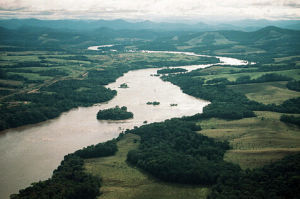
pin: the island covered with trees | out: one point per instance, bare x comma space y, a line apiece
115, 113
171, 70
154, 103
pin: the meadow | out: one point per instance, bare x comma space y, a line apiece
121, 180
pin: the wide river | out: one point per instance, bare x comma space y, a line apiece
29, 154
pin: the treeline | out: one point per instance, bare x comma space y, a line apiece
51, 101
115, 113
171, 70
69, 180
99, 150
246, 79
226, 103
174, 152
290, 119
164, 63
270, 77
278, 180
293, 85
45, 72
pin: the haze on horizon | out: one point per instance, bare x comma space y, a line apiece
155, 10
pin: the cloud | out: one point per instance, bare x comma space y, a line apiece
150, 9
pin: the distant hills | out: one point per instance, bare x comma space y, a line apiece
253, 45
87, 25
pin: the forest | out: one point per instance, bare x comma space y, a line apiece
173, 152
278, 180
171, 70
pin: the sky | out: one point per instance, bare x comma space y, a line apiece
155, 10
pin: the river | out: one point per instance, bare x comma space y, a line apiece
29, 154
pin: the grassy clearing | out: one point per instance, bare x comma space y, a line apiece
256, 158
266, 93
281, 59
121, 181
239, 50
255, 141
32, 76
10, 82
295, 74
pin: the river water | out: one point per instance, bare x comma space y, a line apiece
29, 154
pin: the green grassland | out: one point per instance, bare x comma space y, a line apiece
294, 73
255, 141
122, 181
267, 92
72, 67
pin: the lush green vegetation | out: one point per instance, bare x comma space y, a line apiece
154, 103
32, 107
121, 180
255, 141
44, 73
99, 150
290, 119
39, 81
267, 92
115, 113
293, 85
270, 77
69, 180
171, 70
278, 180
124, 85
172, 151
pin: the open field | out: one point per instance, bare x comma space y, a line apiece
295, 74
282, 59
255, 141
121, 181
73, 65
266, 93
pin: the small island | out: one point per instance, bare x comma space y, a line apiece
171, 70
173, 104
153, 103
124, 85
115, 113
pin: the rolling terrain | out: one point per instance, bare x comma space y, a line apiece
241, 131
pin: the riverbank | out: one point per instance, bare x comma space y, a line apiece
47, 143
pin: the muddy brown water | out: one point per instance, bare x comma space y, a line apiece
30, 153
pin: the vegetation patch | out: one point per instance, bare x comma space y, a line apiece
266, 93
293, 85
265, 135
124, 85
123, 181
69, 180
278, 180
154, 103
115, 113
173, 152
171, 70
290, 119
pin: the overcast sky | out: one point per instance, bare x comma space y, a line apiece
157, 10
